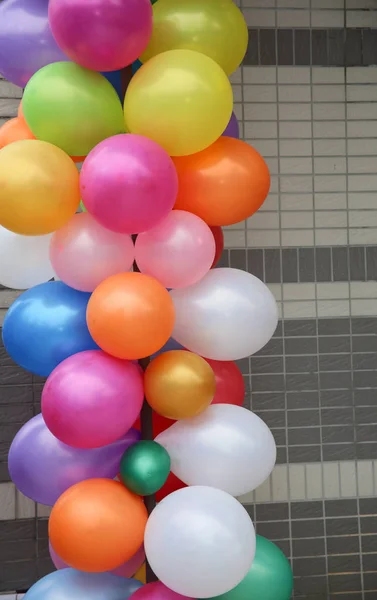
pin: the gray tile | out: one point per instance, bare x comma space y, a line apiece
370, 582
368, 525
301, 345
272, 265
369, 46
281, 456
14, 376
344, 564
268, 401
371, 258
10, 551
244, 365
302, 46
306, 510
365, 379
364, 343
366, 433
334, 362
323, 264
334, 344
343, 545
304, 454
369, 562
305, 381
346, 596
332, 452
333, 381
278, 511
250, 509
305, 547
336, 39
275, 347
365, 397
308, 528
21, 574
224, 259
319, 47
300, 327
341, 508
304, 436
16, 413
366, 414
23, 529
303, 418
302, 400
339, 326
270, 383
340, 263
332, 398
16, 394
353, 49
267, 47
280, 436
285, 47
238, 259
284, 546
333, 434
369, 543
366, 451
357, 263
266, 364
345, 583
368, 506
305, 585
273, 531
290, 265
364, 325
341, 526
272, 418
279, 330
304, 567
337, 416
251, 57
255, 263
301, 364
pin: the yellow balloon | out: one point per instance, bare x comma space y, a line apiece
179, 384
216, 28
39, 187
181, 99
141, 574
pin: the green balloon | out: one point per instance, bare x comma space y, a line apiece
145, 467
270, 576
72, 107
82, 206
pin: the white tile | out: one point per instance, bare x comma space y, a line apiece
333, 308
270, 204
295, 112
295, 75
7, 501
260, 112
329, 147
263, 130
234, 239
296, 148
43, 511
362, 93
263, 239
300, 310
331, 481
360, 4
291, 237
237, 93
259, 17
279, 483
358, 18
259, 75
327, 75
296, 202
364, 200
297, 220
363, 218
259, 93
327, 4
334, 164
276, 290
314, 489
327, 18
298, 291
362, 129
300, 129
348, 483
329, 111
236, 77
294, 93
327, 129
297, 478
293, 18
359, 237
332, 219
364, 308
362, 164
329, 93
296, 183
362, 183
296, 166
264, 493
293, 3
362, 147
361, 111
273, 164
336, 290
266, 148
330, 201
330, 183
364, 473
25, 508
363, 289
263, 220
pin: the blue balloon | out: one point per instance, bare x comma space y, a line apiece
170, 345
46, 325
69, 584
115, 78
136, 66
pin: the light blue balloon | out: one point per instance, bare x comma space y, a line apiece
46, 325
69, 584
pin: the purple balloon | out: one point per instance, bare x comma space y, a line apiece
233, 128
26, 41
42, 467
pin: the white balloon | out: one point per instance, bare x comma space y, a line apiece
226, 447
24, 260
228, 315
200, 542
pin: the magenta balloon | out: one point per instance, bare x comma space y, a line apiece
83, 253
233, 129
178, 252
102, 35
42, 467
128, 183
92, 399
128, 569
157, 591
26, 41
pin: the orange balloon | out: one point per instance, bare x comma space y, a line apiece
224, 184
130, 315
20, 112
97, 525
14, 130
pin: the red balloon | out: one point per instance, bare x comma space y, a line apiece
230, 386
217, 233
171, 485
159, 424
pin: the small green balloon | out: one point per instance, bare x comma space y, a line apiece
82, 206
145, 467
270, 576
72, 107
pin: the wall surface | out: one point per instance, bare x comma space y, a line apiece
306, 98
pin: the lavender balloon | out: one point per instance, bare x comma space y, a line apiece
42, 467
233, 129
26, 41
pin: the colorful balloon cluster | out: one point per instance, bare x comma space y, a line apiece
135, 278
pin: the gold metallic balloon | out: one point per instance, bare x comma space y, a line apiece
179, 384
216, 28
39, 187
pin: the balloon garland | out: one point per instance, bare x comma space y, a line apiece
135, 278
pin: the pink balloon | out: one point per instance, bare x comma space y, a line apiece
128, 569
157, 591
83, 253
101, 35
178, 252
91, 399
128, 183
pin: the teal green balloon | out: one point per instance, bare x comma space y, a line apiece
270, 576
145, 467
72, 107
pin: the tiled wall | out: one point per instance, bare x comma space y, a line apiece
306, 98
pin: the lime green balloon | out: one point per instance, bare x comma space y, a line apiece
72, 107
82, 206
145, 467
270, 576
